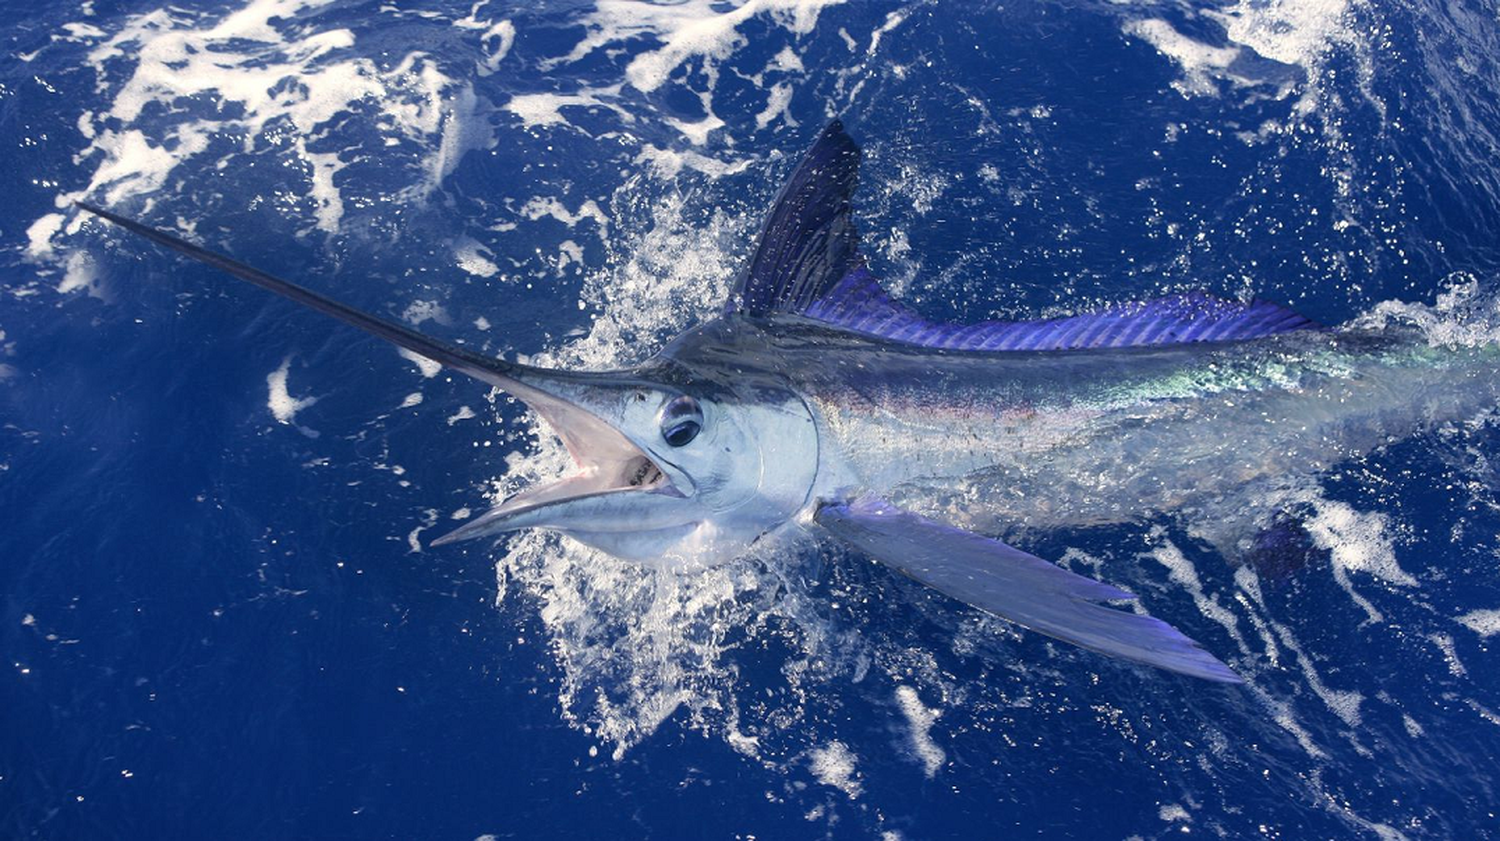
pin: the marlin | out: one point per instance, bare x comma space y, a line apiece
816, 401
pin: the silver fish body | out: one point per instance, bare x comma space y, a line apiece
1041, 440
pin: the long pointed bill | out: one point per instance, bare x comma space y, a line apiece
607, 462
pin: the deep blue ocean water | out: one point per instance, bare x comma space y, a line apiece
218, 613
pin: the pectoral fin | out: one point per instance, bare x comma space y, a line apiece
1017, 586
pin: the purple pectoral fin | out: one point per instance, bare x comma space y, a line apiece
1016, 586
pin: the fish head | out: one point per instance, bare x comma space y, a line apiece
671, 467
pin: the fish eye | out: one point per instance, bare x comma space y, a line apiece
681, 419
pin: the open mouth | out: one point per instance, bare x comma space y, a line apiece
636, 473
605, 462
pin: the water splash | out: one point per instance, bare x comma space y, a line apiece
1268, 45
198, 88
1465, 314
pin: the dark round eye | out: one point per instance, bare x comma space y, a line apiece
681, 434
681, 419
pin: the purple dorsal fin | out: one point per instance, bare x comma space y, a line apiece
807, 263
859, 305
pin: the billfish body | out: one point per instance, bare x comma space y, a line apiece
1091, 437
816, 399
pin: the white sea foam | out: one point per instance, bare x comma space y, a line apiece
82, 31
1413, 728
674, 273
1343, 703
787, 61
697, 131
1292, 33
454, 115
1201, 64
1485, 623
265, 68
1464, 315
284, 407
1286, 719
39, 235
79, 272
834, 765
691, 29
1253, 602
667, 164
474, 258
569, 253
1484, 712
780, 97
1356, 542
7, 371
919, 719
134, 165
545, 109
1173, 813
428, 367
704, 32
892, 20
414, 537
419, 311
497, 39
1184, 574
538, 207
1444, 643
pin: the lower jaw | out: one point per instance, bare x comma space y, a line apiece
664, 547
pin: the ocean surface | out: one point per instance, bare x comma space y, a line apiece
219, 614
